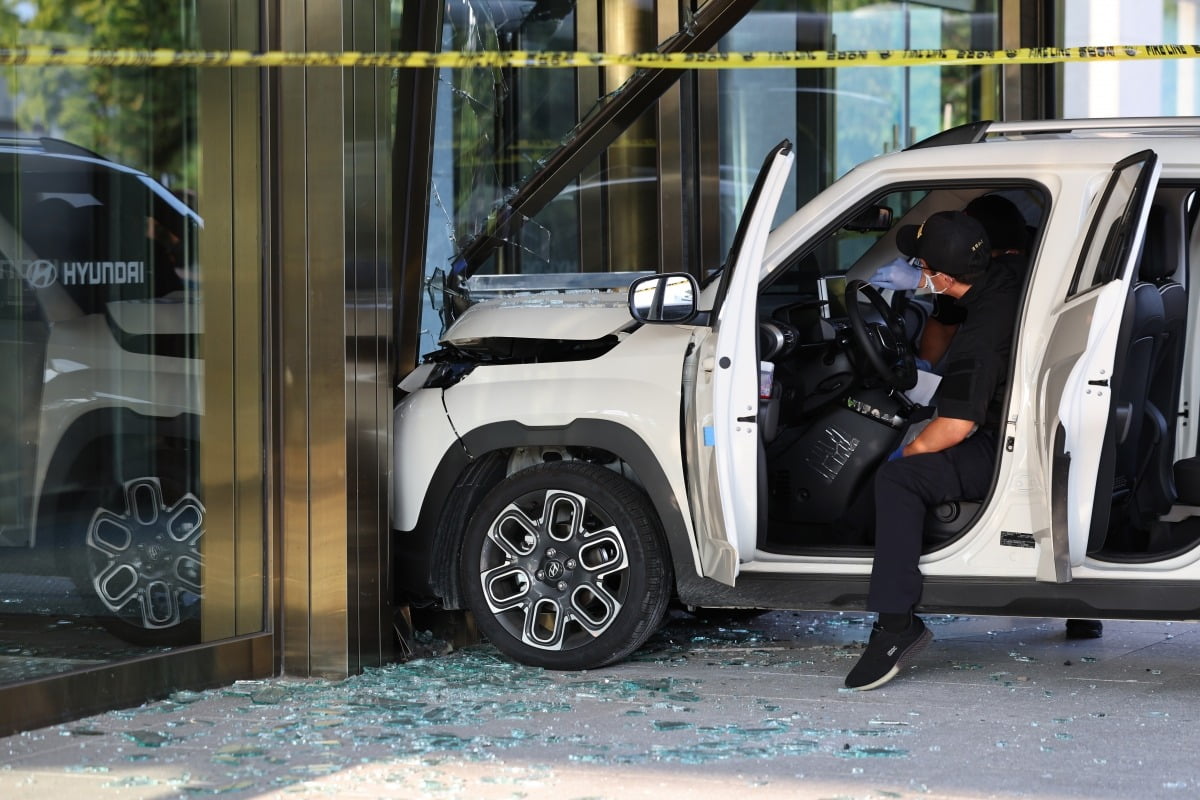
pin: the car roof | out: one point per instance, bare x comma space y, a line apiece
63, 154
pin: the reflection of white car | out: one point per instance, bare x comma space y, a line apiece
568, 465
99, 334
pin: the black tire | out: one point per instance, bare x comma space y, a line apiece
564, 567
134, 550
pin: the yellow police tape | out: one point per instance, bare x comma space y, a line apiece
89, 57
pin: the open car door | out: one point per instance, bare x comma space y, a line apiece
732, 441
1080, 383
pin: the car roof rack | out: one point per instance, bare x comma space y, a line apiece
45, 144
14, 138
981, 131
1130, 126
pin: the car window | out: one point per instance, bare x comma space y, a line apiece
853, 249
1111, 234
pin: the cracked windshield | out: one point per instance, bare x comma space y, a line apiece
102, 514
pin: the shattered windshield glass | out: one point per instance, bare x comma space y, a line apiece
496, 127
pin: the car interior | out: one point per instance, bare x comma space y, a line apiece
1155, 503
831, 413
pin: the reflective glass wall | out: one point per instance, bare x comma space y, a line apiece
838, 118
118, 384
666, 193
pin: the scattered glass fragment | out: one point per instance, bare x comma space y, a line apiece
147, 738
671, 725
873, 752
184, 697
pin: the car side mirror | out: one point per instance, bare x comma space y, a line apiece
876, 218
669, 298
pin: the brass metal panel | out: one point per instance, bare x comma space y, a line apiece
36, 704
672, 256
250, 310
368, 344
217, 441
324, 165
1010, 38
632, 219
331, 195
708, 174
231, 453
292, 400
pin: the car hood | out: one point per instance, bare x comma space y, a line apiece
573, 317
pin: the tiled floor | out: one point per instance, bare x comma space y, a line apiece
994, 708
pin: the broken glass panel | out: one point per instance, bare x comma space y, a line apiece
495, 128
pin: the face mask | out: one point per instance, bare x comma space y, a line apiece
925, 286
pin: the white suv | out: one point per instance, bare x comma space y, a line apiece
569, 464
100, 326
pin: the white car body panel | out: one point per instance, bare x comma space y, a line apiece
419, 425
624, 386
573, 316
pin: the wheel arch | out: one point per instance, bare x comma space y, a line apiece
82, 448
426, 568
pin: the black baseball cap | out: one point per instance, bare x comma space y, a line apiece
951, 242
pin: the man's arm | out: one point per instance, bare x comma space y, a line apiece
935, 340
940, 434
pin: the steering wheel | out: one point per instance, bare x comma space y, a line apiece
885, 345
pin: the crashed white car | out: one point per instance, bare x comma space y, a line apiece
568, 465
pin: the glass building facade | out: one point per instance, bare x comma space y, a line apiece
211, 278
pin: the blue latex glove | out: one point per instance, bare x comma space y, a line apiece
898, 453
923, 365
897, 274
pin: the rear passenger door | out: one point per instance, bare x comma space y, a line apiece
1078, 384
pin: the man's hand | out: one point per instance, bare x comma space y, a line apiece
940, 434
897, 274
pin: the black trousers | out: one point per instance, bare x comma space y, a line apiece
905, 489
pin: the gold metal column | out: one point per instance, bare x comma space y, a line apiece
632, 229
232, 436
333, 400
369, 342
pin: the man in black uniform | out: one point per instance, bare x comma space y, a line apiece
953, 457
1009, 237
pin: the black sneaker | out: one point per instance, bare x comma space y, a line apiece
1084, 629
886, 654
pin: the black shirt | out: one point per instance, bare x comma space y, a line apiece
947, 311
975, 372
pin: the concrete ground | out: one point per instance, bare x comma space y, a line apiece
713, 708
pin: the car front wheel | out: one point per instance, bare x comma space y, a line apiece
564, 567
134, 549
